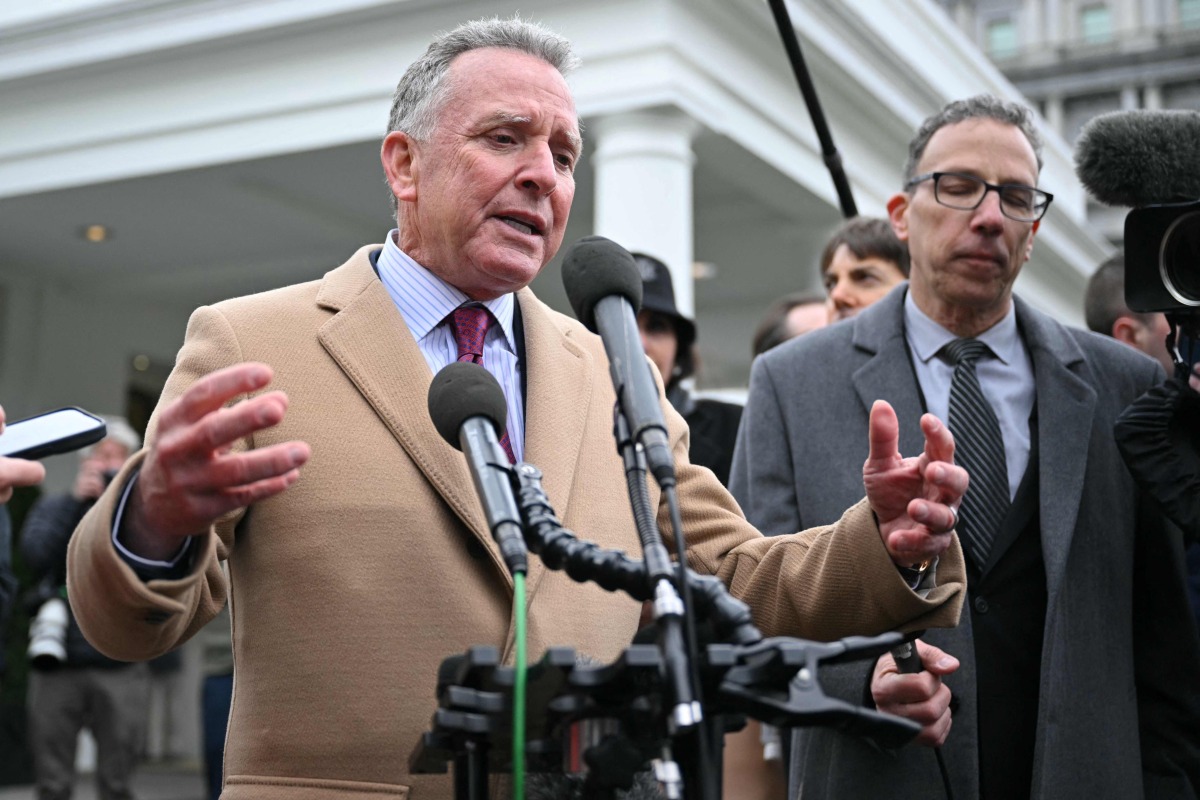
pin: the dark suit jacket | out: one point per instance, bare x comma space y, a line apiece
1114, 648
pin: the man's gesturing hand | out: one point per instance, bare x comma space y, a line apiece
914, 499
190, 476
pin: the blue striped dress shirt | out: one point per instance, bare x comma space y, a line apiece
425, 300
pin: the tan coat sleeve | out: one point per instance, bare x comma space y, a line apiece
821, 584
120, 614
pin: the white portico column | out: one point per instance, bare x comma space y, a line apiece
643, 165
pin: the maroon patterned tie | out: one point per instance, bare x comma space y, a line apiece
470, 326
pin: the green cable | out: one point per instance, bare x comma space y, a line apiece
518, 735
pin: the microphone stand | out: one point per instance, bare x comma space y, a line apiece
772, 680
686, 722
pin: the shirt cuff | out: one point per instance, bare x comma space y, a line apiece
147, 568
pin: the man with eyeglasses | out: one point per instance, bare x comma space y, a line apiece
1074, 673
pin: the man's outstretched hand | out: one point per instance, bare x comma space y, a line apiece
190, 476
915, 499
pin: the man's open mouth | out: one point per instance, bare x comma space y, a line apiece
521, 225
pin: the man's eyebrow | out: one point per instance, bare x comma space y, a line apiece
574, 140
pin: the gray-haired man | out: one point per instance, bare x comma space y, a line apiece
348, 589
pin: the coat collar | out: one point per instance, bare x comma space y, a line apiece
370, 343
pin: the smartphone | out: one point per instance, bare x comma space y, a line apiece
51, 433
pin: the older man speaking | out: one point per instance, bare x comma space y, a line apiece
348, 588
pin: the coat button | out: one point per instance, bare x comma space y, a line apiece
981, 605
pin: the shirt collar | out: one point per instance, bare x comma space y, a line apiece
926, 338
425, 300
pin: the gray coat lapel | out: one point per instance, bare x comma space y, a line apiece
887, 372
1065, 408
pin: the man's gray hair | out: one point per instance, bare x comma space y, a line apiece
423, 87
981, 106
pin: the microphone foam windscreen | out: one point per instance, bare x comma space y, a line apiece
595, 268
460, 391
1139, 158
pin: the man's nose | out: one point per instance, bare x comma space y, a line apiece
538, 172
988, 216
840, 294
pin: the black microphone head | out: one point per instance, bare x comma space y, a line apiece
1140, 158
460, 391
595, 268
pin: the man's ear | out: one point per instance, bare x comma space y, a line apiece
399, 158
897, 208
1126, 329
1029, 244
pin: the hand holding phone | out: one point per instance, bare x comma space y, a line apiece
17, 472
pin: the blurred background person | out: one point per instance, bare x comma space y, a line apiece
669, 338
788, 317
1105, 311
861, 263
13, 472
78, 687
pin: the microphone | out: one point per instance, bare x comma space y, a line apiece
468, 409
1140, 158
605, 290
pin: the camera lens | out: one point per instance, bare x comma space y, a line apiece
1179, 259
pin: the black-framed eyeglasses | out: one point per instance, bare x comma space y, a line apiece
966, 192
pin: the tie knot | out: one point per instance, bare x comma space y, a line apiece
966, 351
469, 324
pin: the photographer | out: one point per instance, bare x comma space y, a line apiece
73, 685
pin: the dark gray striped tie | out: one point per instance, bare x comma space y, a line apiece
979, 449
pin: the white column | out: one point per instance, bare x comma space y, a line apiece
1153, 97
1129, 98
1054, 112
643, 164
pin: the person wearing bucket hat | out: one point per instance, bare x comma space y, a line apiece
669, 338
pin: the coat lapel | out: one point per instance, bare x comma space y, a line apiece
888, 373
1066, 407
559, 393
371, 344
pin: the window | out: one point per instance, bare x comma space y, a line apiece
1189, 13
1095, 24
1001, 41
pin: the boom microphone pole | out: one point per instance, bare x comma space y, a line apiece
829, 151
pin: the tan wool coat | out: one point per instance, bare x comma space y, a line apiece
350, 588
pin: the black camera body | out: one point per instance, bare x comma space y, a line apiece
1162, 258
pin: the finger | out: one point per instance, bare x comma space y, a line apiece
223, 427
935, 735
939, 442
243, 496
215, 390
950, 481
937, 517
914, 545
935, 660
243, 469
2, 419
883, 434
19, 472
912, 691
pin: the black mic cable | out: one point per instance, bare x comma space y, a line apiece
908, 662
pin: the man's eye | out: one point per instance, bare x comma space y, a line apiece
503, 138
566, 161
